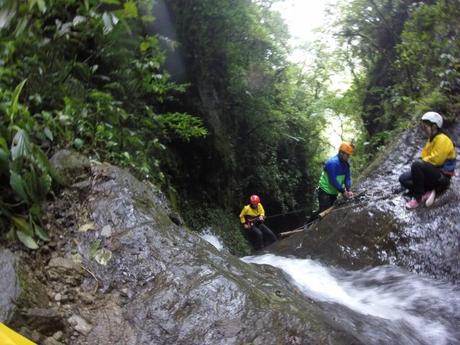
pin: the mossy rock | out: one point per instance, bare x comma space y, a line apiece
69, 166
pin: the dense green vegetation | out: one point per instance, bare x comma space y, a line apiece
407, 53
200, 97
89, 78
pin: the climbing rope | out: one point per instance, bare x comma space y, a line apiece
284, 214
316, 216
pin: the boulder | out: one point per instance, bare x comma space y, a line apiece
69, 166
163, 284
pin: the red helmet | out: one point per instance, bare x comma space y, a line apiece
254, 199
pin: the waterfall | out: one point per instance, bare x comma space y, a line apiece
381, 305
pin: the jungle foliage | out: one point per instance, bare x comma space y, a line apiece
211, 109
91, 75
407, 57
81, 74
256, 105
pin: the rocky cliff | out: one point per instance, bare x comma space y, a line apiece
375, 228
123, 269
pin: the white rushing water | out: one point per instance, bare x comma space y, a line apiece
422, 310
211, 238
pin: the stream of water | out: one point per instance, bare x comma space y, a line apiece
381, 305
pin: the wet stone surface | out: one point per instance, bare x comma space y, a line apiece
121, 267
149, 280
9, 284
376, 228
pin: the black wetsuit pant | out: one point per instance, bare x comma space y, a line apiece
325, 200
423, 177
262, 236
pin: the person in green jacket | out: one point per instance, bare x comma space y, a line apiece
433, 171
335, 178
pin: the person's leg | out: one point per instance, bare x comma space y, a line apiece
405, 179
258, 237
428, 177
325, 200
418, 178
442, 184
250, 236
269, 236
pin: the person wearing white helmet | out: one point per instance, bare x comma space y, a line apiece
433, 171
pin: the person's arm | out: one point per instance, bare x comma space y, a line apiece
348, 193
261, 212
348, 178
332, 172
242, 214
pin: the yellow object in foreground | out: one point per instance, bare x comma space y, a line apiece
10, 337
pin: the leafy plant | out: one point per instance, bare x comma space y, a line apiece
26, 177
95, 82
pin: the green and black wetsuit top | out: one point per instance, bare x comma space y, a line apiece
336, 176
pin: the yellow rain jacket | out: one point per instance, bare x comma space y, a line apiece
10, 337
249, 213
440, 152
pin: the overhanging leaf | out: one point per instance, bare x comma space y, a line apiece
28, 241
40, 159
23, 226
18, 185
3, 144
14, 103
41, 233
130, 10
4, 163
22, 24
20, 145
109, 20
30, 185
44, 184
48, 133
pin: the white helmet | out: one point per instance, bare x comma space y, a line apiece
433, 117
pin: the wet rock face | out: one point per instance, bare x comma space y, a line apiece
146, 280
375, 228
351, 238
23, 298
9, 284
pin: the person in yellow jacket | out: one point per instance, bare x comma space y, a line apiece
10, 337
252, 217
433, 171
